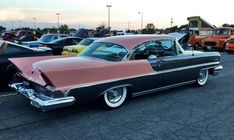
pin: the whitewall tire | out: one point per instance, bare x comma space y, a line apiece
202, 77
115, 97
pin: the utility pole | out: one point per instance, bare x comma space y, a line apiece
19, 23
12, 25
108, 7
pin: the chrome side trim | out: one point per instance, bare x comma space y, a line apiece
154, 73
40, 101
187, 67
161, 88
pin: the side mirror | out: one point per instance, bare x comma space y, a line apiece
152, 57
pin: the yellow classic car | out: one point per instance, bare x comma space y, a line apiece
76, 49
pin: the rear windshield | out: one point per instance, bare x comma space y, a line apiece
46, 38
106, 51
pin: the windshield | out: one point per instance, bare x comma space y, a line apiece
106, 51
221, 32
46, 38
86, 42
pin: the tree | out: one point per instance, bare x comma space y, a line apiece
228, 25
149, 29
64, 29
2, 29
101, 27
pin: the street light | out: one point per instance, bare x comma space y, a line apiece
58, 14
34, 21
141, 19
171, 22
108, 6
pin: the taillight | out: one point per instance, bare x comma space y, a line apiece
47, 80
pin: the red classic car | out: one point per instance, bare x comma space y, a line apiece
111, 70
218, 39
230, 45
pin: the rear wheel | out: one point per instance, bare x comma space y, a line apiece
224, 47
115, 97
196, 46
203, 77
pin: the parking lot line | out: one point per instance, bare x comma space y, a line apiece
7, 95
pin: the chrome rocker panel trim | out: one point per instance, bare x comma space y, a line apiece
42, 102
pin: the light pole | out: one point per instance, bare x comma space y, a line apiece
19, 23
58, 14
171, 22
141, 13
108, 7
34, 21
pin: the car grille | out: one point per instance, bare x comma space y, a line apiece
210, 43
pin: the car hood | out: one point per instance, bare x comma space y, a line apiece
67, 73
217, 37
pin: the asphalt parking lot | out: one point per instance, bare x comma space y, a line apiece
182, 113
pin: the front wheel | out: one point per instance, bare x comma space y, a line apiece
202, 78
196, 46
115, 97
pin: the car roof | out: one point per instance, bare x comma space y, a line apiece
131, 41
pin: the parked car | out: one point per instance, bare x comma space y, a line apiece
76, 49
111, 70
218, 39
21, 33
29, 37
57, 45
12, 50
230, 45
46, 38
8, 36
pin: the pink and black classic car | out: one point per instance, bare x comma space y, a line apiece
112, 69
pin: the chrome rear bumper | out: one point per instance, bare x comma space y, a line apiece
40, 101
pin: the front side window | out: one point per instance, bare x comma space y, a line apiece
159, 48
193, 24
221, 32
106, 51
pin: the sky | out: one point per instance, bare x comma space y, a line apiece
123, 13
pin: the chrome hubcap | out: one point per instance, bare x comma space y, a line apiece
115, 95
202, 76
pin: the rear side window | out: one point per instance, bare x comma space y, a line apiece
159, 48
